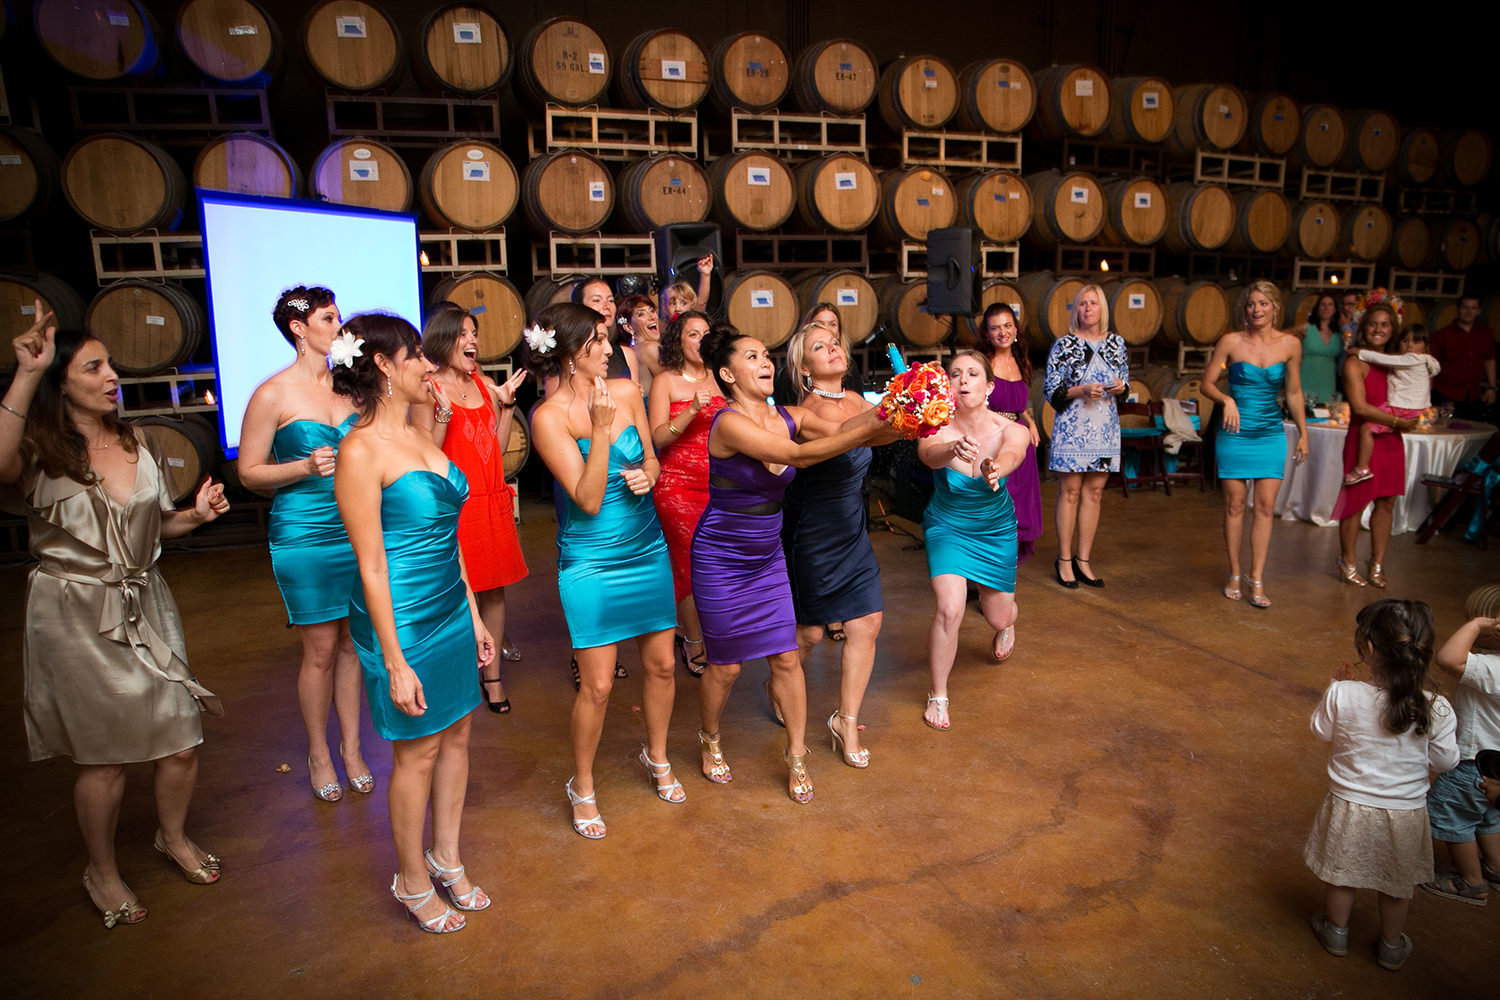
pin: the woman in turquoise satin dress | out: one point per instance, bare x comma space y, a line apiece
1262, 363
413, 616
614, 575
290, 438
969, 528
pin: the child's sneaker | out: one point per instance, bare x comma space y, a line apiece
1335, 940
1358, 476
1393, 956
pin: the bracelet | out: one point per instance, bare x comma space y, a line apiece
675, 431
443, 416
9, 410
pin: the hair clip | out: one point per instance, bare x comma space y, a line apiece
300, 305
344, 349
540, 341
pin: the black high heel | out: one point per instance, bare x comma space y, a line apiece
1087, 581
501, 707
1057, 571
577, 680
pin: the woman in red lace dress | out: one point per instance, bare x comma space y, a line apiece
684, 399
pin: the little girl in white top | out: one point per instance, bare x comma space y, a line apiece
1408, 392
1387, 732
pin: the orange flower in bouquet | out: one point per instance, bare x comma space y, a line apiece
918, 401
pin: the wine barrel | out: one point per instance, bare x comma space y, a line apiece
1275, 125
839, 192
1065, 208
1047, 303
123, 183
1323, 135
98, 39
1420, 156
232, 41
752, 190
750, 71
567, 191
1207, 116
352, 44
362, 172
1373, 141
1143, 109
913, 202
996, 95
563, 61
28, 173
761, 304
994, 290
1442, 314
470, 184
462, 48
18, 295
1466, 156
1314, 232
1489, 313
1416, 311
851, 293
918, 92
1199, 217
148, 328
663, 190
1366, 229
1262, 221
838, 76
1071, 101
1165, 383
906, 322
1411, 242
247, 163
664, 69
517, 447
1193, 312
1134, 309
187, 446
1297, 308
995, 202
1456, 243
498, 310
1135, 212
545, 292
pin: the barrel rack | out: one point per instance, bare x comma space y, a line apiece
613, 134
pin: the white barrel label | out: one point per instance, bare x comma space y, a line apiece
350, 26
762, 299
466, 33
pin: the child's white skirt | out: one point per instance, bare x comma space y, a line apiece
1366, 847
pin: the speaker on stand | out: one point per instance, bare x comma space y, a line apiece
953, 274
679, 247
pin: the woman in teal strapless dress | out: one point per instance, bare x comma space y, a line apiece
291, 433
1262, 362
413, 616
1322, 344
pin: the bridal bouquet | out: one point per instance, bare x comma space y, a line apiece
918, 401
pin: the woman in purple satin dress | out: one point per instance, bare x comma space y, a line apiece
1004, 345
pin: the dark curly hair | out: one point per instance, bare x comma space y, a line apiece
1018, 347
669, 349
573, 326
316, 298
52, 440
444, 326
1398, 636
382, 333
717, 346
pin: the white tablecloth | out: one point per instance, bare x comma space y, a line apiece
1308, 491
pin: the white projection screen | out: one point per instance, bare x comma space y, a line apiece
256, 247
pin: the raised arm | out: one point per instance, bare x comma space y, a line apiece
1452, 657
735, 433
34, 352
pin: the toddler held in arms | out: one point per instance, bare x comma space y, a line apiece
1409, 392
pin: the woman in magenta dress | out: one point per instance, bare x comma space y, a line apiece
1365, 389
1004, 345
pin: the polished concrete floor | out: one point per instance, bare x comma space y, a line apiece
1118, 810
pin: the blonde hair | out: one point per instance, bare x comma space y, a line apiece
796, 353
685, 292
1271, 292
1103, 308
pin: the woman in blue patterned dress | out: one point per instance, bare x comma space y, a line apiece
1086, 370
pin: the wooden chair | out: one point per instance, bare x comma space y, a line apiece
1143, 441
1460, 486
1191, 462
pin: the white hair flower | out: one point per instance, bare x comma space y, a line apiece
344, 349
540, 341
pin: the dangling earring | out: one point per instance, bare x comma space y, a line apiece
387, 386
807, 380
301, 345
571, 369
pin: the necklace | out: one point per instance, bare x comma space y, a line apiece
829, 395
459, 385
695, 381
98, 447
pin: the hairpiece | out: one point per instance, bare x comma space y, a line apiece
301, 305
540, 341
344, 349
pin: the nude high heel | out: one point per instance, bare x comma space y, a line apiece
859, 758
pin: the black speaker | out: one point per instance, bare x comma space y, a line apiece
678, 250
952, 271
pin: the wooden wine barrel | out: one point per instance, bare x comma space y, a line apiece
1314, 232
1143, 109
1199, 217
568, 192
1373, 141
1134, 309
1411, 242
752, 190
994, 290
123, 183
1456, 243
1323, 136
664, 69
1135, 212
1208, 116
563, 61
352, 44
462, 48
1262, 221
1071, 101
1466, 156
148, 328
1366, 229
662, 190
1420, 156
1414, 311
762, 304
517, 447
857, 301
995, 95
470, 184
839, 192
18, 295
1275, 125
1489, 314
919, 92
838, 76
362, 172
1442, 314
188, 446
28, 173
498, 310
232, 41
1047, 303
1297, 308
913, 202
1065, 208
247, 163
749, 70
906, 322
995, 202
1165, 383
1193, 312
545, 292
98, 39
